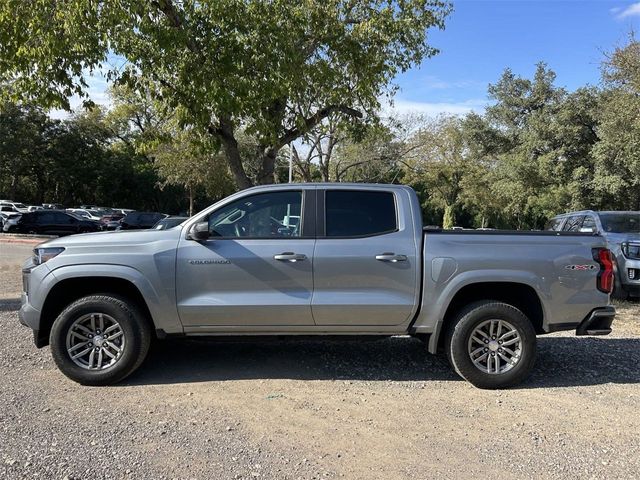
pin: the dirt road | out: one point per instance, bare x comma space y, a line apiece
314, 409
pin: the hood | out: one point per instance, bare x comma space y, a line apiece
117, 238
622, 237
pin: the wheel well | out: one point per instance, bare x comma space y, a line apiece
69, 290
521, 296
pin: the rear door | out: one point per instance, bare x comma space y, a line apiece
366, 260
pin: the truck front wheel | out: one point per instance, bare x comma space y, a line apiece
491, 344
100, 339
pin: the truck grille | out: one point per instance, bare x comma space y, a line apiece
633, 273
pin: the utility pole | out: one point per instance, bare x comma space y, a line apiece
290, 163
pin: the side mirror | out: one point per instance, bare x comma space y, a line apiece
200, 232
587, 230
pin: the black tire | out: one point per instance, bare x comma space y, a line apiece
464, 324
135, 328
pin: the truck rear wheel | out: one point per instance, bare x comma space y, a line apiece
491, 345
100, 339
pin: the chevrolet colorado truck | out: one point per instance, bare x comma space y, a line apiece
315, 259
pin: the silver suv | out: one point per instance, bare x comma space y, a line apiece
621, 231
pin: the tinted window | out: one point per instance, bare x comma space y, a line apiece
573, 224
621, 222
259, 216
47, 218
359, 213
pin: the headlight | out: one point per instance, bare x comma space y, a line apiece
631, 250
42, 255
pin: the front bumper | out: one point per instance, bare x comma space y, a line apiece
598, 322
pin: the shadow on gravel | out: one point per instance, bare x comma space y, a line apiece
9, 304
562, 361
202, 360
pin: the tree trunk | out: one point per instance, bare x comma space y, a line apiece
267, 167
449, 217
190, 200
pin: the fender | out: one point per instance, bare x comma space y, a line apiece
436, 298
161, 302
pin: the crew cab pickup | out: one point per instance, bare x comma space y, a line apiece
315, 259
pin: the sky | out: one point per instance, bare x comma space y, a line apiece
483, 37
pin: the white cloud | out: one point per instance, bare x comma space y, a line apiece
434, 83
434, 109
632, 10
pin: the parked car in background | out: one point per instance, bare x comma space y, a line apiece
123, 211
8, 219
89, 214
33, 208
53, 206
621, 231
19, 207
111, 221
7, 208
169, 222
53, 222
140, 220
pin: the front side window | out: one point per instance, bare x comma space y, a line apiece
265, 215
352, 213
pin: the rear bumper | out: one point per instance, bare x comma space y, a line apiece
598, 322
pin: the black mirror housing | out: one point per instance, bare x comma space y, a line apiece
200, 231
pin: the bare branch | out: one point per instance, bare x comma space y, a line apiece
310, 122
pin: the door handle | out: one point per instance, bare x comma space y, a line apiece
391, 257
290, 257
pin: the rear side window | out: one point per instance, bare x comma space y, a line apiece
359, 213
554, 224
573, 223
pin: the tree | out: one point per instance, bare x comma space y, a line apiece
183, 159
536, 143
617, 154
274, 70
437, 162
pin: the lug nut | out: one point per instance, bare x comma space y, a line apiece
486, 341
500, 350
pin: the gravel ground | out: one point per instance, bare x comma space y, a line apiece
314, 409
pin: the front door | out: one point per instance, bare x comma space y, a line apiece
366, 262
255, 269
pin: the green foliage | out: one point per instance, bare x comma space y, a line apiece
617, 154
75, 161
273, 70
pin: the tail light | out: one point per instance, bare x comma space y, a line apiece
605, 275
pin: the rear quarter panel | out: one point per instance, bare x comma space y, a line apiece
541, 261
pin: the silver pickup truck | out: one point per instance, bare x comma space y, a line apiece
315, 259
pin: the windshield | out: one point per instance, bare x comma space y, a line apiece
621, 222
19, 205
